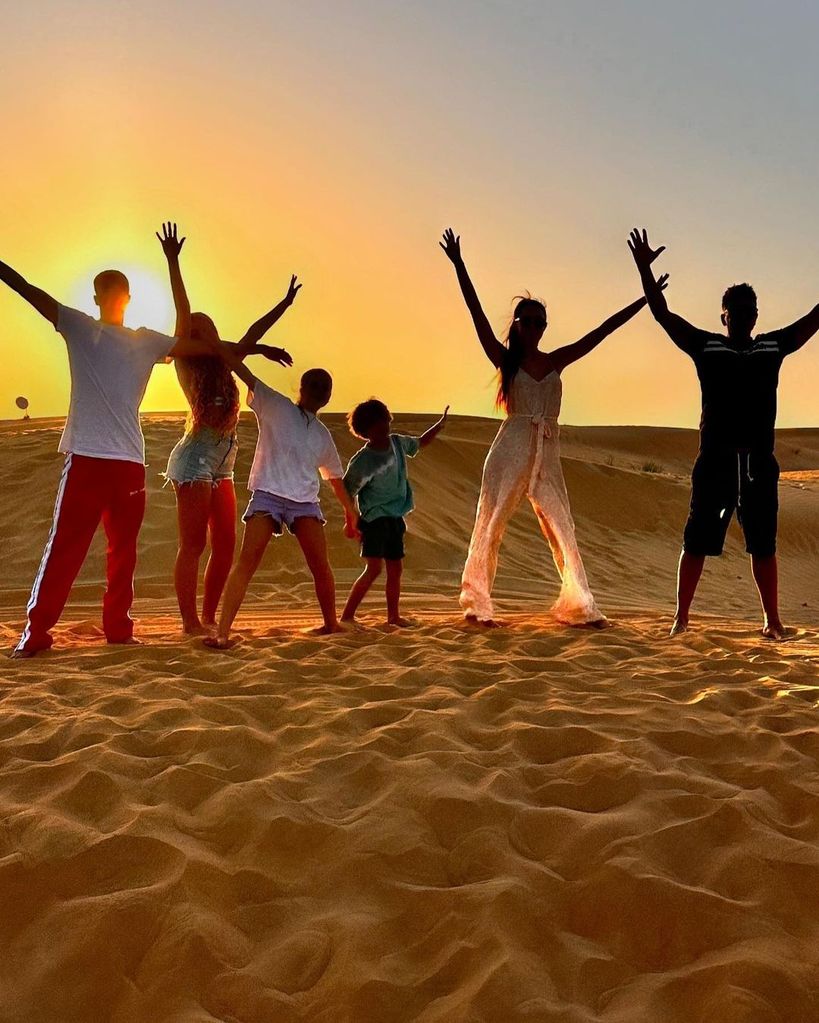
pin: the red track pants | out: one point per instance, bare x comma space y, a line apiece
91, 490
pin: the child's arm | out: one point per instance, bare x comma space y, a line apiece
434, 430
346, 502
257, 331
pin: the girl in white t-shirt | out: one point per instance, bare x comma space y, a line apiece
293, 449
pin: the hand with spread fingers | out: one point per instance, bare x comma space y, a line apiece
452, 245
171, 244
642, 251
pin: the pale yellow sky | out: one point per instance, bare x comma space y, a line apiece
336, 141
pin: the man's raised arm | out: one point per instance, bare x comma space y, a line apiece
681, 332
800, 331
43, 303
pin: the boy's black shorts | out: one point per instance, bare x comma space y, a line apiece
722, 481
383, 538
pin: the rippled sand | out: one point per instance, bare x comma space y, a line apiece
438, 825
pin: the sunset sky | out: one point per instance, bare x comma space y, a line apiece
338, 139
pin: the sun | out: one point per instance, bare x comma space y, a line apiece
151, 302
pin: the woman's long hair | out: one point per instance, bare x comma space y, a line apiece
513, 356
211, 389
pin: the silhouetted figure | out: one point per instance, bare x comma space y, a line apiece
524, 460
201, 465
103, 479
293, 449
377, 477
736, 468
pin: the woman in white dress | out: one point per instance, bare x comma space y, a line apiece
524, 459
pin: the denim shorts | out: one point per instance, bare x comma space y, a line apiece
205, 455
282, 510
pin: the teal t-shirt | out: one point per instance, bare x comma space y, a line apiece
379, 478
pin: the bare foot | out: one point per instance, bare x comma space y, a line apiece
402, 623
774, 630
325, 630
131, 641
219, 642
485, 623
195, 629
598, 623
352, 625
678, 625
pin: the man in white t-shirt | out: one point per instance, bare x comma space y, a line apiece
103, 479
293, 449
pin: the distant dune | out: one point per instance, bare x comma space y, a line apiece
442, 825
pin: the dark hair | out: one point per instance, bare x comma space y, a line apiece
212, 391
738, 293
316, 378
110, 280
513, 356
365, 415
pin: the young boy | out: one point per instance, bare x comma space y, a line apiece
292, 449
736, 467
103, 479
377, 476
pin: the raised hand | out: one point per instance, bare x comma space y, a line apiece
642, 251
292, 291
662, 282
171, 245
274, 354
452, 245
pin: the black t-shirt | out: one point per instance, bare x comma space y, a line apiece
738, 384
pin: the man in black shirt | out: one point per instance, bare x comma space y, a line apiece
735, 467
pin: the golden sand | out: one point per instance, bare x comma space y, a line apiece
437, 825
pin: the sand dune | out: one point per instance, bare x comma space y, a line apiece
443, 825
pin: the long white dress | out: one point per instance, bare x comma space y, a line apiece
524, 460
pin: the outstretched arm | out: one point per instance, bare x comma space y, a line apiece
186, 347
681, 332
429, 436
801, 331
234, 355
493, 348
172, 246
565, 356
257, 331
42, 302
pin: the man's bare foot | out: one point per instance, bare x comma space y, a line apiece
19, 655
402, 623
678, 625
130, 641
774, 630
219, 642
194, 629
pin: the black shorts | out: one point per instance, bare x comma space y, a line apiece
383, 538
723, 481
